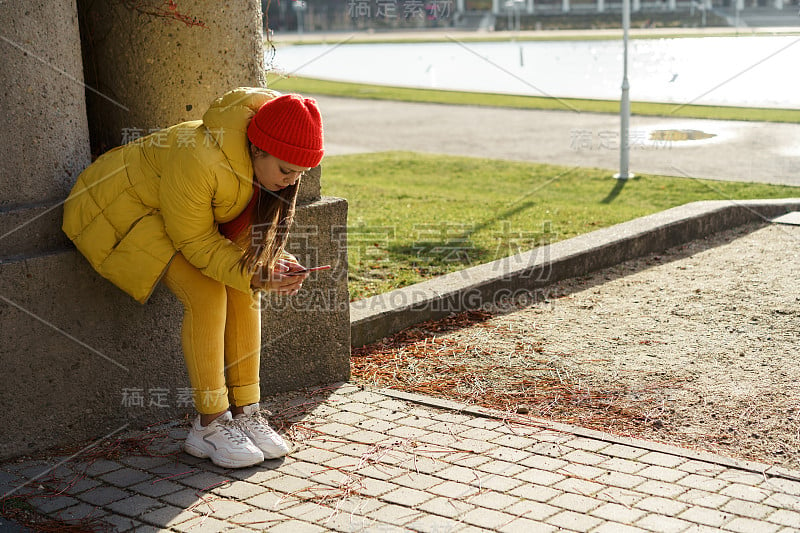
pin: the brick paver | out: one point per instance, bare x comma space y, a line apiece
620, 513
125, 477
377, 461
434, 524
574, 521
704, 498
620, 479
488, 518
49, 505
748, 525
133, 505
706, 516
103, 495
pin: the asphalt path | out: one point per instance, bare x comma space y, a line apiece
717, 149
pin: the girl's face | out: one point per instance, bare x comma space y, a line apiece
272, 173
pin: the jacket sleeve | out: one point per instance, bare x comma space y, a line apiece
187, 194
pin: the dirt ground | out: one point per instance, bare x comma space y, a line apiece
697, 346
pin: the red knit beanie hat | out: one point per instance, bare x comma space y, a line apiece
289, 127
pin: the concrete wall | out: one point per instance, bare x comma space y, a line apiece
81, 359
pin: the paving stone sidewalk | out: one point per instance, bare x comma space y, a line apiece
388, 461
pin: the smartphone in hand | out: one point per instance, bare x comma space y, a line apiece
305, 270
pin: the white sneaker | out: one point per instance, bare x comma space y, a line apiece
255, 425
224, 442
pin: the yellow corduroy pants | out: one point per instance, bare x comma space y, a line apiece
221, 338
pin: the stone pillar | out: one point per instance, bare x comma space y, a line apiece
44, 145
44, 137
672, 5
155, 67
565, 6
601, 6
636, 5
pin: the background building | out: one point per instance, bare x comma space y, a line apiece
348, 15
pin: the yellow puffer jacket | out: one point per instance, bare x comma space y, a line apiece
133, 208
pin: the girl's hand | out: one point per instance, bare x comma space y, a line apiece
279, 281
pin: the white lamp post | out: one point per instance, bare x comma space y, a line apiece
625, 102
299, 7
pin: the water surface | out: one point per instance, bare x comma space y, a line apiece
758, 71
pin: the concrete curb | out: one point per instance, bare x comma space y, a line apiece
377, 317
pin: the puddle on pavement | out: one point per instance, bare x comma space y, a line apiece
680, 135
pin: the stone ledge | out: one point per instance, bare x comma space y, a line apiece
377, 317
31, 230
76, 345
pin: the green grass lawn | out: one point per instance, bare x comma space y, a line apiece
405, 94
415, 216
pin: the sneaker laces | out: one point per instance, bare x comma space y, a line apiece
258, 419
234, 430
